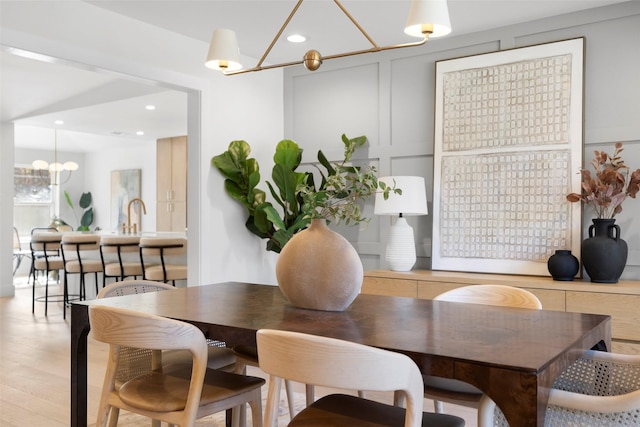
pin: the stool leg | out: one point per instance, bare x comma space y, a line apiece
65, 298
46, 293
33, 296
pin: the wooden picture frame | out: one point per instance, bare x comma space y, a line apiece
508, 147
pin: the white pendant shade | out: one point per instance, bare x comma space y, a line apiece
40, 164
431, 16
223, 51
70, 166
412, 201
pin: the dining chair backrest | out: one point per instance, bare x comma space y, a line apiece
334, 363
16, 240
131, 287
498, 295
121, 327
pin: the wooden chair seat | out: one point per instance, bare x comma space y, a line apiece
165, 392
351, 411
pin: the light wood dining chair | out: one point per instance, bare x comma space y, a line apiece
459, 392
177, 395
598, 390
135, 361
334, 363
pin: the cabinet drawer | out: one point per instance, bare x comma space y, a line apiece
430, 290
550, 299
623, 309
625, 347
389, 287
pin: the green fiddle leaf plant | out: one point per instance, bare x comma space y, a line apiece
87, 214
295, 193
242, 175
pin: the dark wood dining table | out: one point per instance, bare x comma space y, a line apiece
513, 355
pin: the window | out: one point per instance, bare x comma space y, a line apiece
32, 201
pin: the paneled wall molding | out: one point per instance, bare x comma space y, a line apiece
390, 98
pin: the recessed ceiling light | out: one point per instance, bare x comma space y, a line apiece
58, 122
150, 107
140, 133
296, 38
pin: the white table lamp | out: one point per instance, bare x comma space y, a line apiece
401, 248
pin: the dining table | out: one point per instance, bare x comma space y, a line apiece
513, 355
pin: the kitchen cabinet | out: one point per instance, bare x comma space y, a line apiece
171, 184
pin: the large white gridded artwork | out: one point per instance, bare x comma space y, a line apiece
507, 150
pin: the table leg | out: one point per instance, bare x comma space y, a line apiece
79, 333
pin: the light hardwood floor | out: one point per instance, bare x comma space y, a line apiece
34, 370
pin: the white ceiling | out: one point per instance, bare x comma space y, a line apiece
36, 93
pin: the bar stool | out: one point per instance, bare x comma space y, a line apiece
119, 245
163, 248
78, 245
45, 254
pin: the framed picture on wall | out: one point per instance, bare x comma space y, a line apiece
125, 185
507, 150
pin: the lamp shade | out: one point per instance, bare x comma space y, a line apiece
223, 51
412, 201
428, 18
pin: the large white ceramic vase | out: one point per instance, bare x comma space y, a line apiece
319, 269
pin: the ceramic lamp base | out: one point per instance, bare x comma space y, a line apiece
401, 249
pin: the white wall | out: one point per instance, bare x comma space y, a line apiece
220, 109
102, 163
390, 98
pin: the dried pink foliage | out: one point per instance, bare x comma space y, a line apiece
612, 183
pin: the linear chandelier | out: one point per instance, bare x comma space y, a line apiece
427, 18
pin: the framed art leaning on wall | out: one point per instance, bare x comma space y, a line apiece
507, 150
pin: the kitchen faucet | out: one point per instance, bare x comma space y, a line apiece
133, 228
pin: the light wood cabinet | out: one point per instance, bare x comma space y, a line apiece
171, 184
620, 300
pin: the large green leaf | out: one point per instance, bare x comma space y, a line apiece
69, 202
274, 217
85, 200
287, 182
87, 218
288, 154
233, 162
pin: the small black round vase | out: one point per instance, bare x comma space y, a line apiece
563, 265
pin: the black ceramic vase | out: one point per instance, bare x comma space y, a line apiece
563, 265
604, 253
